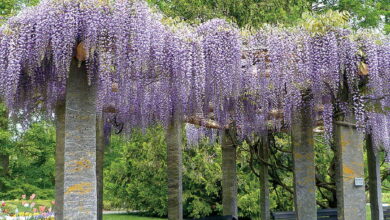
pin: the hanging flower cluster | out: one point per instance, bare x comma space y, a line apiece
375, 59
141, 67
146, 71
339, 73
222, 53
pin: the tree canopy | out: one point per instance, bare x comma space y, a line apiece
371, 13
11, 7
256, 13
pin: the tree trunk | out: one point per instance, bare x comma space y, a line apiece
303, 161
100, 145
59, 178
333, 173
80, 199
374, 179
229, 174
174, 162
350, 198
4, 164
264, 188
4, 169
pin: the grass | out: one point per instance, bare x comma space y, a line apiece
368, 212
386, 197
385, 200
38, 202
17, 203
127, 217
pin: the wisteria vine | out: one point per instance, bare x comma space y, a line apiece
146, 70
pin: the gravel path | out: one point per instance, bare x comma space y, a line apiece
118, 212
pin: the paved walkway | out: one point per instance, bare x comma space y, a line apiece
117, 212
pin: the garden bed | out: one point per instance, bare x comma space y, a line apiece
26, 209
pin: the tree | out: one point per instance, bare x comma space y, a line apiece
5, 146
6, 7
10, 7
365, 14
254, 13
31, 161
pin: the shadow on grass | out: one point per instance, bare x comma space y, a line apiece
129, 216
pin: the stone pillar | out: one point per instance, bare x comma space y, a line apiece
100, 145
264, 187
374, 179
303, 160
60, 144
351, 201
229, 174
175, 166
80, 199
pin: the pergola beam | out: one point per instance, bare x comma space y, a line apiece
211, 124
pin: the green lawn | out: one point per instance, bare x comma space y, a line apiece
127, 217
17, 203
385, 200
368, 212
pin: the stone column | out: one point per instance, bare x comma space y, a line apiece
175, 167
264, 187
303, 160
351, 201
100, 145
80, 199
374, 179
229, 174
60, 144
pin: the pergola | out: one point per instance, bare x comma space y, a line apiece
88, 61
